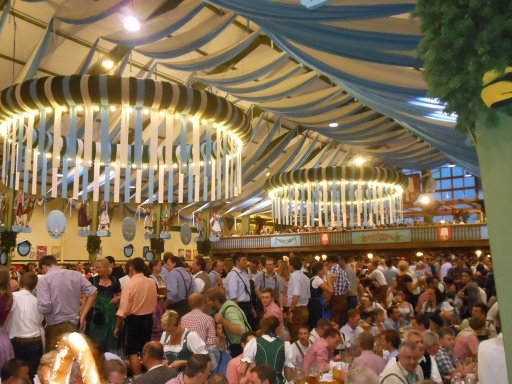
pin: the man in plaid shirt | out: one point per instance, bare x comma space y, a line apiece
445, 358
338, 305
198, 321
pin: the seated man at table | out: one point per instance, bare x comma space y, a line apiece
368, 358
322, 351
406, 369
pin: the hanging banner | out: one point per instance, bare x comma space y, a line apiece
386, 236
325, 238
444, 233
285, 241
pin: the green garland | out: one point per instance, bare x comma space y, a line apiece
157, 245
463, 39
8, 240
93, 244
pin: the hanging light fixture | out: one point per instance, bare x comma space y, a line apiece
337, 196
163, 133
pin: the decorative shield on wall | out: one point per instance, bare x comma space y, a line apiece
129, 228
185, 234
56, 223
24, 248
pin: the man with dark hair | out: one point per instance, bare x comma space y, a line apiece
238, 287
390, 343
367, 357
270, 307
165, 270
480, 309
58, 298
157, 373
138, 302
117, 271
321, 352
14, 371
253, 269
261, 374
301, 346
179, 285
394, 320
196, 372
24, 325
298, 297
202, 281
352, 300
269, 279
230, 316
338, 302
216, 273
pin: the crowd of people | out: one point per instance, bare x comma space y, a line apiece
387, 320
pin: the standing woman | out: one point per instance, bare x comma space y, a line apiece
101, 318
155, 267
179, 343
320, 289
283, 271
6, 351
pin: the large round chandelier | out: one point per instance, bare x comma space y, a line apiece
348, 196
121, 139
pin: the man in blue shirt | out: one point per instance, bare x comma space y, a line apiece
238, 288
179, 286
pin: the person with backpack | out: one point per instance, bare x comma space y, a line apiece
230, 316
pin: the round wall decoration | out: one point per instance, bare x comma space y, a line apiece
149, 255
185, 234
128, 250
3, 257
24, 248
56, 224
129, 228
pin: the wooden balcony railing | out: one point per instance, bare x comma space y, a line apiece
449, 235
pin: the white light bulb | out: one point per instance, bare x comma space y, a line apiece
131, 23
107, 64
333, 125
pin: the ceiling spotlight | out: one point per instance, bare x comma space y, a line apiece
467, 175
370, 256
424, 199
451, 165
107, 64
228, 202
359, 160
131, 23
333, 125
419, 254
478, 253
267, 174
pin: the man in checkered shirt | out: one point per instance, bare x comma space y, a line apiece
198, 321
338, 306
445, 358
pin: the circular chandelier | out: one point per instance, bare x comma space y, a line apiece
120, 138
348, 196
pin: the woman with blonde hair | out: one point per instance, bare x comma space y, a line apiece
283, 271
6, 351
101, 319
179, 343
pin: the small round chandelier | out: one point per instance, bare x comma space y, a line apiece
348, 196
121, 139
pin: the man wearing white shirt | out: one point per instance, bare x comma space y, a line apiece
24, 325
351, 330
301, 346
445, 267
298, 297
318, 332
492, 367
378, 277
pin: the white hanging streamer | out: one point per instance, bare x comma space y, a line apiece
196, 147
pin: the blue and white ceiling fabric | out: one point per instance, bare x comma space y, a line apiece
320, 85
